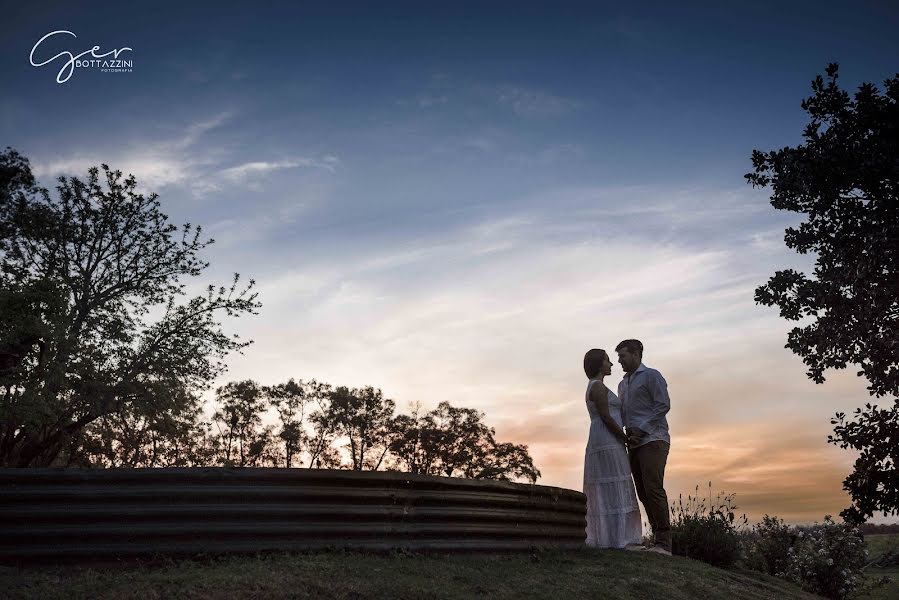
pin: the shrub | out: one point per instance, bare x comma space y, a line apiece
827, 559
766, 548
706, 532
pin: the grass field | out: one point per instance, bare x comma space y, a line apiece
556, 575
877, 546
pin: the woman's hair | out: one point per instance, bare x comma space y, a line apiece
593, 361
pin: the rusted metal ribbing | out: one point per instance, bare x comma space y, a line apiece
36, 514
65, 514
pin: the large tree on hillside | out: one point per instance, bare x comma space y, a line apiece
83, 270
845, 179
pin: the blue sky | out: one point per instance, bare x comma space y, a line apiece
455, 202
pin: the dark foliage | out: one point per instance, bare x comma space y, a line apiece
766, 547
79, 274
453, 441
874, 482
845, 179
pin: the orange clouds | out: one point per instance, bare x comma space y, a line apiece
774, 468
782, 468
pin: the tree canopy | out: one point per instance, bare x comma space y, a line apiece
845, 179
455, 441
80, 272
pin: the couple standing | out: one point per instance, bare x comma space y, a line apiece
628, 445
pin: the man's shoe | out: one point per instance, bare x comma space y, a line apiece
659, 550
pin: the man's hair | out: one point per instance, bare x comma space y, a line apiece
633, 346
593, 361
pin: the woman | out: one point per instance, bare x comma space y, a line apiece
613, 517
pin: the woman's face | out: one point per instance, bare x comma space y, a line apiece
606, 365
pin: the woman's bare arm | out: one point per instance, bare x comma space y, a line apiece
599, 394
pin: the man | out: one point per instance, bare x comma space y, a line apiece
645, 402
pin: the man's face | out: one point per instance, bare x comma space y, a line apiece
628, 360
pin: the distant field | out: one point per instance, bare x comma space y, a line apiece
556, 575
877, 546
880, 543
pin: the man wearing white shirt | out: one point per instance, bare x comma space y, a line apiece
645, 402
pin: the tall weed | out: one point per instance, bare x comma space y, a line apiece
707, 531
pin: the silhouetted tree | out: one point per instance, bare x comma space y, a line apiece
454, 441
462, 437
505, 461
365, 417
127, 439
320, 441
416, 442
845, 179
244, 441
105, 255
290, 400
874, 483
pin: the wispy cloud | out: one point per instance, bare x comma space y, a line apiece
533, 103
554, 155
245, 170
196, 130
178, 160
182, 160
480, 143
251, 232
428, 100
153, 169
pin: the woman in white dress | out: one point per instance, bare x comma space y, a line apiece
613, 517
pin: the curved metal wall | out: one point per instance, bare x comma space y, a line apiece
86, 513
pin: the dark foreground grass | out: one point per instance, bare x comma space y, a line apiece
557, 575
878, 545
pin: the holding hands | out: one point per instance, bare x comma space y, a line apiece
634, 435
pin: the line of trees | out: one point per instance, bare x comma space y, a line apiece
308, 424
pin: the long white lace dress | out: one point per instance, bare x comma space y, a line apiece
613, 517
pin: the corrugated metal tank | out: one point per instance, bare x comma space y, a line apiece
103, 513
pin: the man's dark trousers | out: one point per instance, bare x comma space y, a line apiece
648, 467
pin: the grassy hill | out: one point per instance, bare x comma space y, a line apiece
558, 575
877, 546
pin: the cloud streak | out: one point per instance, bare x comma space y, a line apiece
534, 103
175, 161
256, 168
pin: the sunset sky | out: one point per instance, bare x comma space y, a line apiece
454, 202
